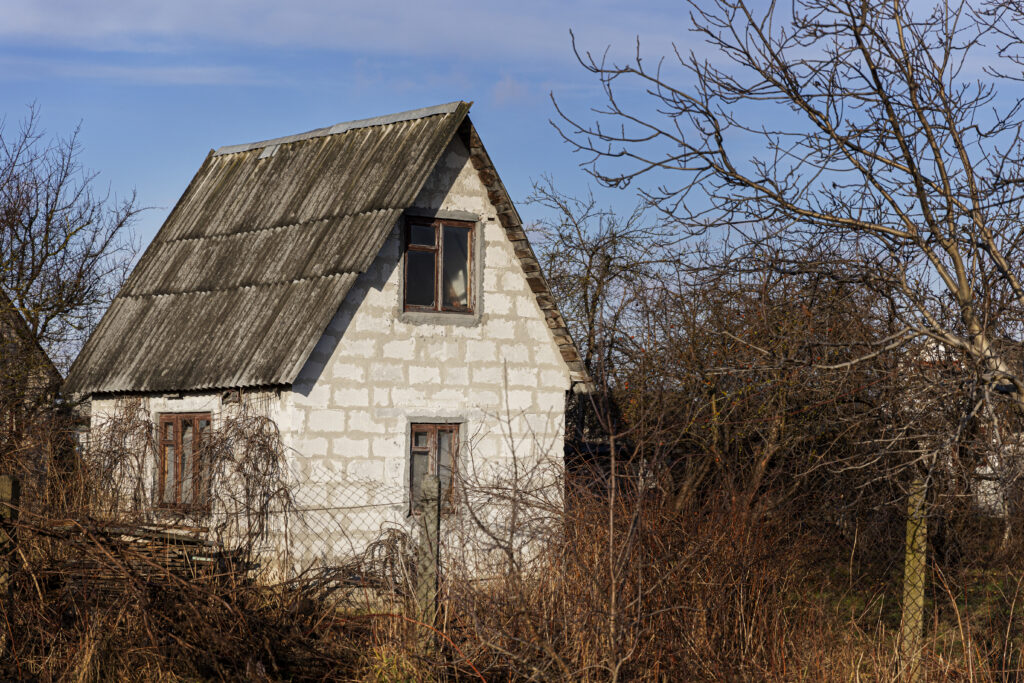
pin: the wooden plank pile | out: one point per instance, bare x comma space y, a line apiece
102, 558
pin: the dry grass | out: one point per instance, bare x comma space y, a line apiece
719, 586
710, 592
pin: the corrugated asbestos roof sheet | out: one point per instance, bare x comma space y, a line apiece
259, 253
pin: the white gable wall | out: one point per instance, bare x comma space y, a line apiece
501, 376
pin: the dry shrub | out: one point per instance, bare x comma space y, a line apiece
643, 591
640, 591
716, 590
717, 586
90, 605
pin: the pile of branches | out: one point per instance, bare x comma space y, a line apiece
99, 601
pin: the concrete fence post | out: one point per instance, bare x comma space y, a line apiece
914, 568
427, 550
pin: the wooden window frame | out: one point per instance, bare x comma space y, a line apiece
200, 501
433, 428
437, 249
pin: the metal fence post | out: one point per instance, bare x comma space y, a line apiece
914, 567
427, 550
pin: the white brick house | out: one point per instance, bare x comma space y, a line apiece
372, 283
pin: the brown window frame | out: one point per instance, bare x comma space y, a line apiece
200, 501
433, 428
438, 250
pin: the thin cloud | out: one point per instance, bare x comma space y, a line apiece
29, 68
509, 91
534, 32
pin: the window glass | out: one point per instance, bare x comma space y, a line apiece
439, 266
445, 446
421, 235
419, 464
455, 278
419, 274
434, 451
169, 474
183, 478
186, 462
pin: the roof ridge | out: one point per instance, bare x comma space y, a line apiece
398, 117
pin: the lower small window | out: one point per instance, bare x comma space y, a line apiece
433, 450
180, 477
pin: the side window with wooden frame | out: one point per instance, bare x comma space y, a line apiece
433, 450
438, 266
180, 474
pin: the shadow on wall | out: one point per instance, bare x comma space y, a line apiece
375, 277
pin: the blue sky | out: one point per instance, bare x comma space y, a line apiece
156, 85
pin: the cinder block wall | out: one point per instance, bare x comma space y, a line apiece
111, 415
376, 370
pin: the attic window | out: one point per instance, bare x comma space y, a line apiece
439, 265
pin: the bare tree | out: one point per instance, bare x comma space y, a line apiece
64, 249
595, 259
64, 246
716, 365
599, 265
874, 136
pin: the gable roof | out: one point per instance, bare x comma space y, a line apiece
238, 285
27, 354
